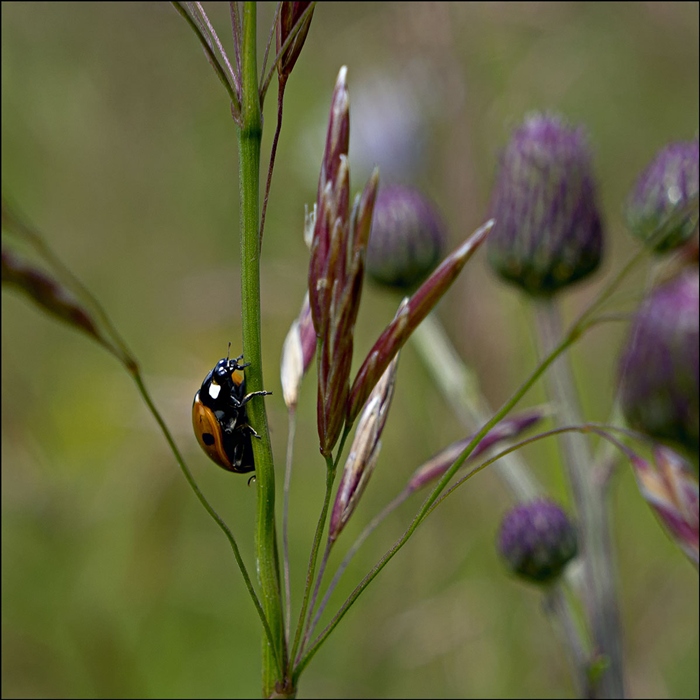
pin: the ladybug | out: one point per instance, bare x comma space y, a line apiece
219, 417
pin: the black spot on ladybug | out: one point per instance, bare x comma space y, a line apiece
208, 438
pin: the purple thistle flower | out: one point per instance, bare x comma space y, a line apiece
662, 210
548, 231
537, 540
659, 381
407, 240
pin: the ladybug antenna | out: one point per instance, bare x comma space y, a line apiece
252, 478
228, 352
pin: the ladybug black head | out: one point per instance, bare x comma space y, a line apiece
223, 369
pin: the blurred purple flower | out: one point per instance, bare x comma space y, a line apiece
548, 231
662, 209
659, 382
537, 540
407, 240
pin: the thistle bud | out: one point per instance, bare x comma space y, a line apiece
407, 240
537, 540
659, 367
548, 232
662, 210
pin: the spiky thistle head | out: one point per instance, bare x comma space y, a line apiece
537, 540
407, 240
548, 231
662, 209
658, 373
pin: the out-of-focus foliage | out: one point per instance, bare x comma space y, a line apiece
117, 140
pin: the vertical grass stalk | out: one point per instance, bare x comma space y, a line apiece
249, 139
601, 602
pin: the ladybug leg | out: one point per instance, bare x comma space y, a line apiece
230, 424
238, 457
248, 397
251, 431
239, 403
244, 365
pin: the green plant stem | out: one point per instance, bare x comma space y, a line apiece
599, 571
606, 457
330, 478
558, 608
585, 321
314, 596
117, 347
460, 386
202, 499
20, 226
249, 139
331, 470
499, 415
268, 44
503, 453
197, 28
285, 522
371, 527
273, 154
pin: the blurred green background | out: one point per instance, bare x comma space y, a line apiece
117, 142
